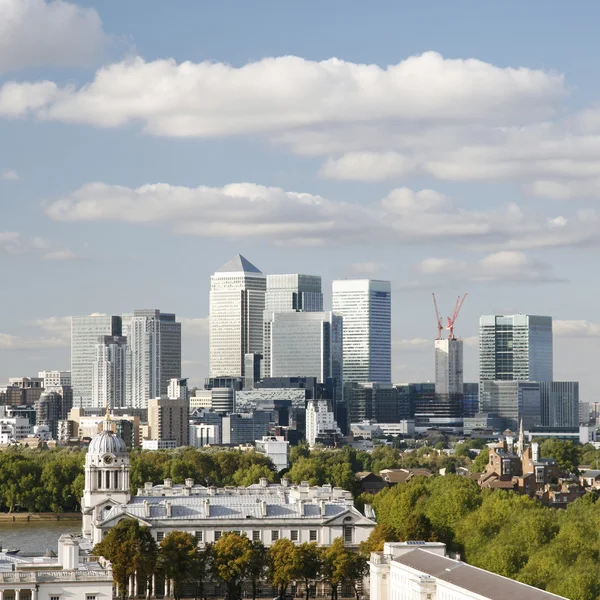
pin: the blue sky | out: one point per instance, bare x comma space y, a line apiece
451, 147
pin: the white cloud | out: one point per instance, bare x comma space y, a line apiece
576, 329
367, 268
194, 327
246, 210
9, 175
15, 243
501, 266
276, 95
13, 342
58, 327
37, 33
414, 343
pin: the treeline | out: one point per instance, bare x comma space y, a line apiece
512, 535
233, 560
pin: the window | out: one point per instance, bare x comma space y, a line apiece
256, 536
237, 532
198, 535
312, 536
294, 535
218, 535
90, 597
159, 536
274, 535
54, 597
348, 530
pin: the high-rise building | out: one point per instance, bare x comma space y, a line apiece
109, 372
168, 421
252, 368
381, 402
293, 293
305, 345
237, 303
54, 406
449, 367
515, 347
178, 389
365, 306
55, 378
560, 403
320, 422
154, 343
513, 401
85, 332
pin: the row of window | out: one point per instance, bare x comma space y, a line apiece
256, 535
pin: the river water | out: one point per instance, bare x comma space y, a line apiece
35, 537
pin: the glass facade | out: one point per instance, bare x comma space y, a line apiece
293, 293
512, 401
560, 403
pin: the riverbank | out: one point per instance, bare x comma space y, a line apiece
34, 517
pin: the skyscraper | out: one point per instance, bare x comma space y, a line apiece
293, 293
365, 306
109, 372
85, 333
305, 345
515, 347
237, 303
449, 367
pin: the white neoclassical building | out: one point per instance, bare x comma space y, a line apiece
422, 571
66, 576
263, 511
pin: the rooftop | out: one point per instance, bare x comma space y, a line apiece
238, 264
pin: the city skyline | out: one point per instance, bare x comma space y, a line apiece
419, 183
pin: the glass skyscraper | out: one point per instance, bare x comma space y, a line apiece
293, 293
365, 306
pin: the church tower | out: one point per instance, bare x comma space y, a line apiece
106, 476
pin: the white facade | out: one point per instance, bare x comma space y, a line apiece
159, 444
303, 344
143, 338
12, 428
109, 372
365, 306
319, 419
178, 389
237, 303
65, 576
449, 367
422, 571
293, 293
201, 399
276, 448
55, 378
85, 332
204, 435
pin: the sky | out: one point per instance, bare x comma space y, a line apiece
448, 147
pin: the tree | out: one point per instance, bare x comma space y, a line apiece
310, 563
131, 549
357, 568
283, 564
566, 454
232, 554
381, 533
335, 565
257, 566
481, 461
177, 558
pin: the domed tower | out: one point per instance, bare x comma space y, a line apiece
106, 476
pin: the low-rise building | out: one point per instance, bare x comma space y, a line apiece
421, 570
276, 448
395, 476
204, 434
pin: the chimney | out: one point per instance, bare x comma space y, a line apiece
189, 483
285, 482
323, 507
146, 508
169, 508
263, 508
148, 485
212, 491
68, 552
206, 503
264, 482
187, 491
168, 483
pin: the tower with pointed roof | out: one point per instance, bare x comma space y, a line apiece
106, 476
237, 303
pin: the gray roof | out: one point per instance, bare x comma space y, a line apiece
238, 264
486, 584
591, 473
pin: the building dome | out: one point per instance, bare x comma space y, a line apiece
106, 442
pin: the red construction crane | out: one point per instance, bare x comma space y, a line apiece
452, 320
438, 316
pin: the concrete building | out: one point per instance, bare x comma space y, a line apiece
449, 367
54, 378
127, 427
515, 347
383, 402
68, 575
237, 303
168, 421
178, 389
243, 428
304, 344
85, 332
421, 570
560, 403
204, 434
223, 399
54, 406
201, 399
365, 306
22, 391
513, 401
109, 372
293, 293
13, 426
276, 448
320, 421
252, 368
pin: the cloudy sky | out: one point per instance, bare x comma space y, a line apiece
448, 147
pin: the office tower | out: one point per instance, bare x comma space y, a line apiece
54, 406
321, 425
168, 421
513, 401
85, 332
293, 293
54, 378
560, 403
470, 400
109, 372
449, 367
381, 402
154, 343
515, 347
305, 345
178, 389
24, 391
223, 399
365, 306
252, 368
237, 303
245, 428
